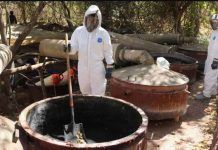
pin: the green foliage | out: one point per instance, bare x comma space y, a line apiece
129, 16
191, 19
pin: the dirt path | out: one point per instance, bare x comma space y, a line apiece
6, 130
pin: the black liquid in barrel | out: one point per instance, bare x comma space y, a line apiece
103, 120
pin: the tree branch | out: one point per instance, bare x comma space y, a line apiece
2, 29
67, 14
186, 5
29, 27
27, 68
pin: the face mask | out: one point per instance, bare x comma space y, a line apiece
214, 24
91, 22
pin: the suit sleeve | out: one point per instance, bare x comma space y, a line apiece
74, 42
108, 52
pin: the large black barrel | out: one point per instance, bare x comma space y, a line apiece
108, 122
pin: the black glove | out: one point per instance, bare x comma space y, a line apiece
214, 65
109, 69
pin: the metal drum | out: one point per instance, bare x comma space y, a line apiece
195, 50
161, 93
110, 123
180, 63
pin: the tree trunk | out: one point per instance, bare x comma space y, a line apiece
29, 27
2, 29
26, 68
177, 24
138, 44
168, 38
106, 10
23, 11
197, 22
67, 15
5, 84
6, 79
178, 8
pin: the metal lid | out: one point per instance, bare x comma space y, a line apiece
150, 75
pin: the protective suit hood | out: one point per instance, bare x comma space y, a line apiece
215, 17
91, 10
213, 22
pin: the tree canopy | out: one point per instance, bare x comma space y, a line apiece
185, 17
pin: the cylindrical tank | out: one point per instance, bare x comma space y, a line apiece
161, 93
136, 43
54, 48
180, 63
123, 56
110, 123
197, 52
5, 56
167, 38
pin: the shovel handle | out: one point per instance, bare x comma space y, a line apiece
68, 72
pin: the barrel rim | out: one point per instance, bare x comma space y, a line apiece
177, 55
140, 132
191, 49
153, 89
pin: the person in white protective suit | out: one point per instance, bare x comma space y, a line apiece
211, 64
93, 44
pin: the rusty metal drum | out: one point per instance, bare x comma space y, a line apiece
161, 93
109, 123
197, 52
181, 63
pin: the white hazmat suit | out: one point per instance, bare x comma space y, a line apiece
210, 79
92, 48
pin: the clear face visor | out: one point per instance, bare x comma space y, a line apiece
214, 24
91, 22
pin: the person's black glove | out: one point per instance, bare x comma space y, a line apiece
65, 47
109, 69
214, 65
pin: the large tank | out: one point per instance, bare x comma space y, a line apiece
180, 63
161, 93
108, 122
195, 51
54, 48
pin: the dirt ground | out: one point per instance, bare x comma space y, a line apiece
192, 132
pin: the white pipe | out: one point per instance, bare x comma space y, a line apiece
5, 56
